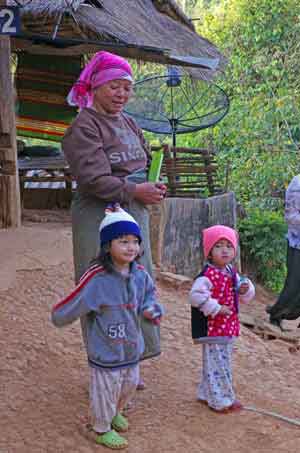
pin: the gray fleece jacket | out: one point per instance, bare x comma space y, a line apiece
111, 304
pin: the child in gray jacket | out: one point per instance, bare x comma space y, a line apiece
109, 299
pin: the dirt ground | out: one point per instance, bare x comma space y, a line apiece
44, 376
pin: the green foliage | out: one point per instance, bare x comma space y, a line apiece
263, 245
259, 140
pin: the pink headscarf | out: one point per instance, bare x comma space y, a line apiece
102, 68
214, 233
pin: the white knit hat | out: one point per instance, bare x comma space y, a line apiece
116, 223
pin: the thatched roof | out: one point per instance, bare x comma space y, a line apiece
147, 30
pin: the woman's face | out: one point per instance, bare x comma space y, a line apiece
112, 96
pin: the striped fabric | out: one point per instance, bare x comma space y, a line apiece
48, 130
42, 83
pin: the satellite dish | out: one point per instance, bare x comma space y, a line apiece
174, 103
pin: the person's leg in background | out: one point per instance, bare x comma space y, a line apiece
288, 303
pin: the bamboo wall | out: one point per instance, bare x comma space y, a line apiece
190, 172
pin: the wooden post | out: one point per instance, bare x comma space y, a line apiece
10, 211
178, 234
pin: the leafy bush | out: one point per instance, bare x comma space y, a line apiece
263, 247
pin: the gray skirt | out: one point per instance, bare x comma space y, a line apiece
87, 214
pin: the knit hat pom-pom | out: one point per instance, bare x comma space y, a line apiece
116, 223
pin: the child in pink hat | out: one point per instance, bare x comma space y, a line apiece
215, 298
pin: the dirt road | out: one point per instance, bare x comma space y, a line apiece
44, 379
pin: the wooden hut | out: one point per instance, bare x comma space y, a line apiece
147, 30
66, 30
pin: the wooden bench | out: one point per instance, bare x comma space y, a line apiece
189, 173
49, 176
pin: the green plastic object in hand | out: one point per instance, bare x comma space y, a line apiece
155, 166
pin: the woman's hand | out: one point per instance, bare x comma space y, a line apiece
149, 192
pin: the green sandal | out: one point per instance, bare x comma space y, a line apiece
112, 440
120, 423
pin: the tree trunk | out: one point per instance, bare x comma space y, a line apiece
10, 212
176, 230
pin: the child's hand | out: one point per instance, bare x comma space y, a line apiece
244, 288
148, 315
225, 311
153, 315
156, 321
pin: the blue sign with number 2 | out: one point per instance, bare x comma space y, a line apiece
10, 22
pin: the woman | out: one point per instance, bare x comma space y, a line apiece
108, 158
288, 303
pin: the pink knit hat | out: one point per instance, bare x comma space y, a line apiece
102, 68
214, 233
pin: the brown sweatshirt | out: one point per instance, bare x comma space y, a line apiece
101, 151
